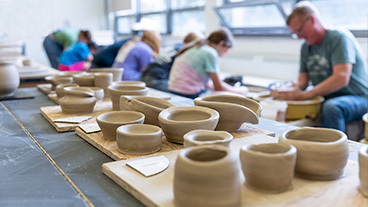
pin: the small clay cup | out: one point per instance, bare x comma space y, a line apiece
84, 79
60, 88
116, 91
322, 153
129, 83
77, 100
138, 139
149, 106
207, 137
268, 168
363, 170
234, 110
179, 120
207, 176
103, 80
110, 121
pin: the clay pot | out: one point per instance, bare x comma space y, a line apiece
9, 78
234, 110
268, 168
84, 79
99, 93
116, 91
149, 106
322, 153
207, 176
129, 83
138, 139
304, 109
363, 170
110, 121
58, 79
179, 120
103, 80
117, 73
207, 137
77, 100
60, 88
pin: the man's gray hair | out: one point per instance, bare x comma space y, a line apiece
302, 10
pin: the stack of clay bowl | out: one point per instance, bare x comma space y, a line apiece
177, 121
234, 110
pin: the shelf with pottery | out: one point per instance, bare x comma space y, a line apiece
157, 190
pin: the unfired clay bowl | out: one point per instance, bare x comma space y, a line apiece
103, 80
116, 91
304, 109
149, 106
234, 110
138, 139
207, 176
129, 83
268, 168
207, 137
58, 79
60, 88
110, 121
177, 121
77, 100
117, 73
321, 153
84, 79
363, 170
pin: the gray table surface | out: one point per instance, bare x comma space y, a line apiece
41, 167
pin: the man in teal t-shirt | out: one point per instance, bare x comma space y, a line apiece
333, 62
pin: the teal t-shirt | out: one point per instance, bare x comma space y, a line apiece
67, 37
337, 47
77, 52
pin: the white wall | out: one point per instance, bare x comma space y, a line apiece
31, 20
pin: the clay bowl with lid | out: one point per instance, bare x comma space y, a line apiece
149, 106
84, 79
60, 88
200, 137
322, 153
77, 100
118, 90
110, 121
268, 167
129, 83
177, 121
234, 110
138, 139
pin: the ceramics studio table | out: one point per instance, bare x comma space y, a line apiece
41, 167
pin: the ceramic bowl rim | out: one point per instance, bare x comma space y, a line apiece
104, 121
156, 130
342, 138
189, 136
248, 147
184, 152
163, 115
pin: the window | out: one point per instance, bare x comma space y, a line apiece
267, 17
166, 16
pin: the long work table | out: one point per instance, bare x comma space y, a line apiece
41, 167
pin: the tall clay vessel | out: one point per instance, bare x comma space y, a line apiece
207, 176
9, 78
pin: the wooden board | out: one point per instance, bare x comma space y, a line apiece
45, 88
110, 148
157, 190
54, 112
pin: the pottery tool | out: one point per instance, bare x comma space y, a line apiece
90, 128
73, 119
149, 166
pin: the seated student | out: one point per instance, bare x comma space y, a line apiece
78, 57
195, 66
55, 43
157, 73
140, 56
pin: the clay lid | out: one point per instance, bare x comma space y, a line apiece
79, 91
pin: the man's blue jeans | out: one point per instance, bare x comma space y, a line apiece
336, 111
53, 51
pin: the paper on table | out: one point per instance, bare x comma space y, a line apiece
90, 128
149, 166
74, 119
